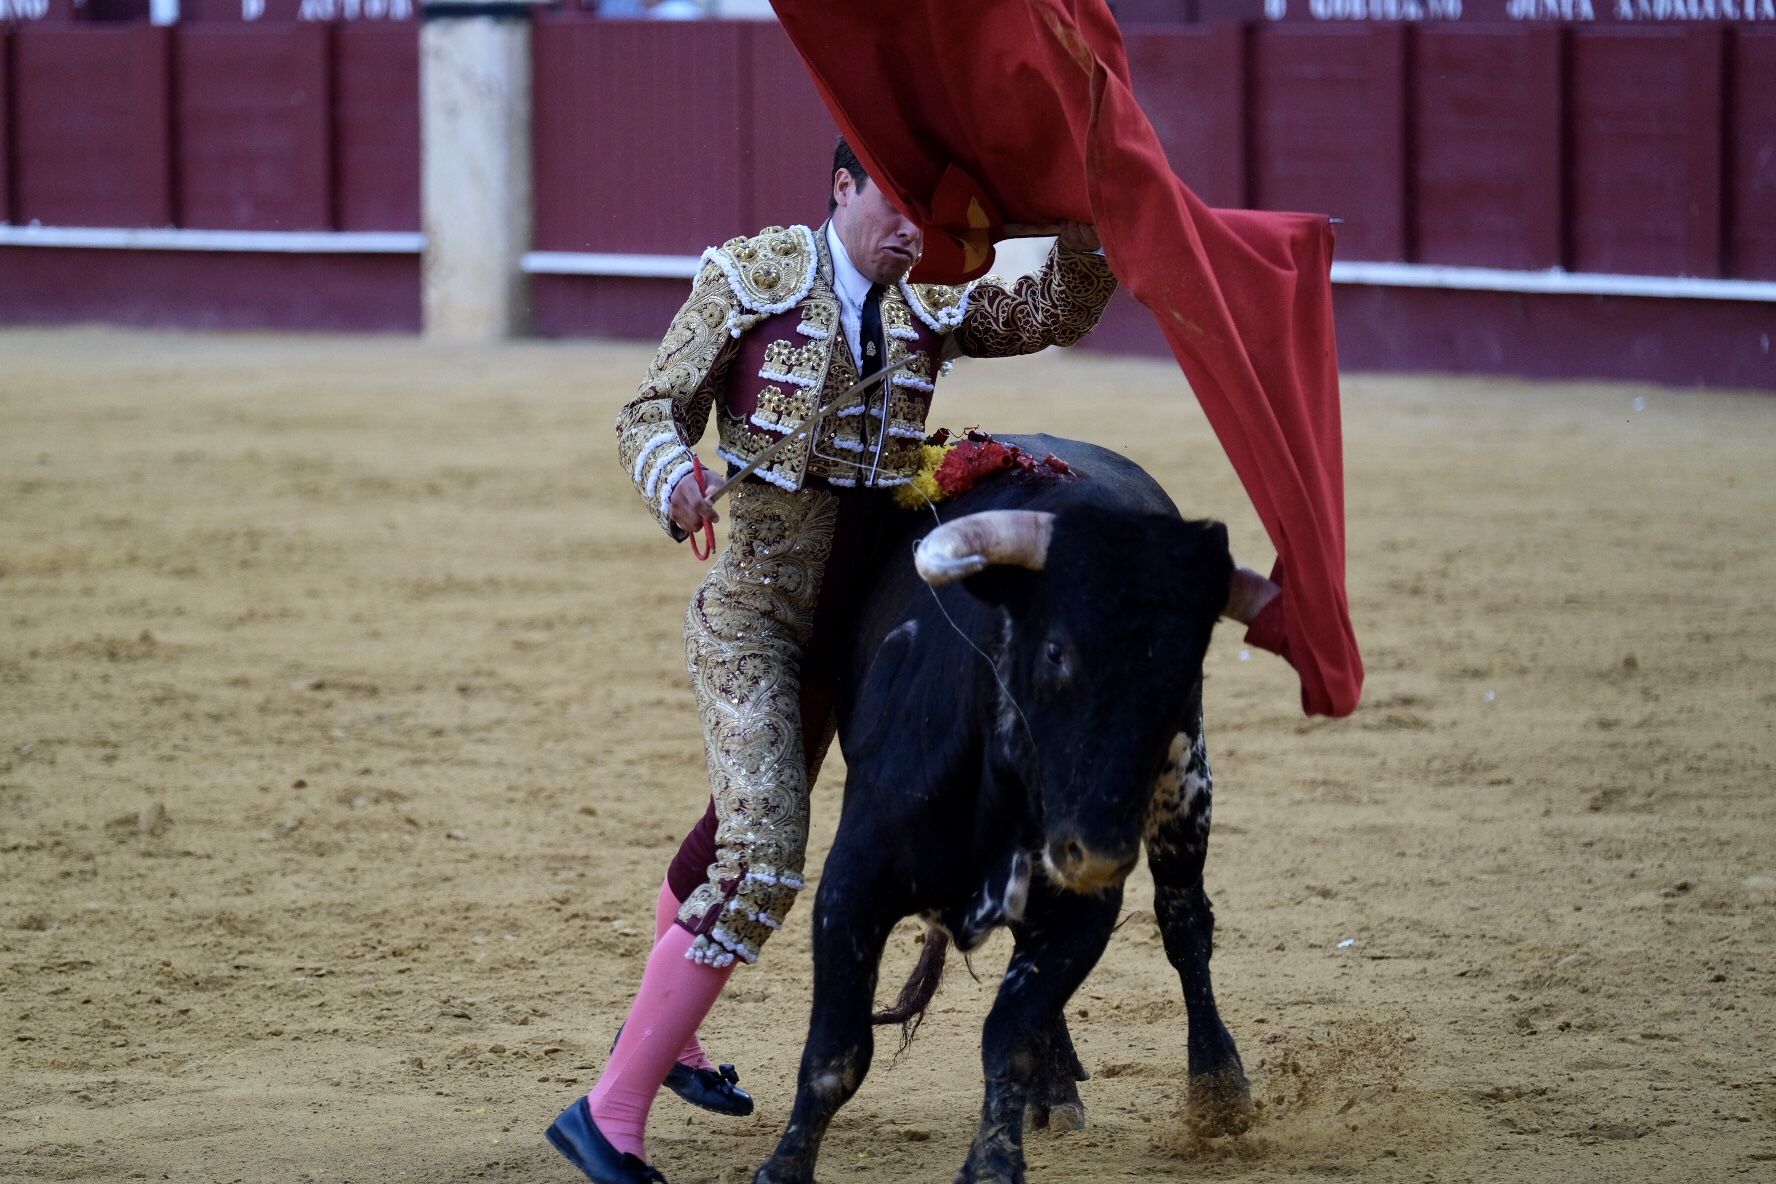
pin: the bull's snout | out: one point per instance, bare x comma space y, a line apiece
1078, 868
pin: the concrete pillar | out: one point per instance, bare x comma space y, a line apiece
475, 186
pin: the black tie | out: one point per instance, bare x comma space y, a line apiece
871, 336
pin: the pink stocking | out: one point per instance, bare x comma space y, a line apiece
675, 995
665, 913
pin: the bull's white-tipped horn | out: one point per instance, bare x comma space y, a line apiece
958, 549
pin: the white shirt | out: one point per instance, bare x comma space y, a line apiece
852, 290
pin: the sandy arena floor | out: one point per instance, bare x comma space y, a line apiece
344, 737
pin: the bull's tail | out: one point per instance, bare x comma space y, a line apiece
921, 986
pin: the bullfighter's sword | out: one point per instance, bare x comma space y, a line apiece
808, 425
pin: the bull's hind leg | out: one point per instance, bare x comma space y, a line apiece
849, 934
1057, 946
1177, 844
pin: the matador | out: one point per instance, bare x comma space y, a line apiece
776, 325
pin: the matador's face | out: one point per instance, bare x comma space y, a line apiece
883, 243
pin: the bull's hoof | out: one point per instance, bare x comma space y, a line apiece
1001, 1175
1059, 1117
1068, 1116
773, 1173
1220, 1103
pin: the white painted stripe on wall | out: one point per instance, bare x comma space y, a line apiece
1380, 275
684, 267
1556, 282
290, 242
648, 267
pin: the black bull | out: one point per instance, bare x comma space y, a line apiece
1012, 739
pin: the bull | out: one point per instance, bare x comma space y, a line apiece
1020, 710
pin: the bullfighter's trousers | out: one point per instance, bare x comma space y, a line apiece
747, 638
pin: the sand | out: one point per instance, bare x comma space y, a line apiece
344, 738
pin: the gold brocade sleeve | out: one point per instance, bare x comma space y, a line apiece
656, 429
1056, 305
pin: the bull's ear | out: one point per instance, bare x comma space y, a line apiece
1203, 559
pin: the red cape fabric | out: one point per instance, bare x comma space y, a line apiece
982, 115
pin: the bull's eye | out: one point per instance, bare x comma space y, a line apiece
1054, 676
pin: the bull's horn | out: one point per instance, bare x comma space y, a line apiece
961, 547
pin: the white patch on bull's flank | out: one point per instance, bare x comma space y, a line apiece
1020, 970
1017, 887
1002, 908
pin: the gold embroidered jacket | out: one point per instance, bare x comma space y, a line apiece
759, 343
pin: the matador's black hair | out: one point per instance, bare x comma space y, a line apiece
844, 158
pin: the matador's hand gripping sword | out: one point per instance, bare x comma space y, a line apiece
801, 431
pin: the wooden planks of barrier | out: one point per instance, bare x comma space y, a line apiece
641, 135
1488, 120
92, 141
1192, 84
1646, 143
253, 109
1328, 130
376, 126
1751, 205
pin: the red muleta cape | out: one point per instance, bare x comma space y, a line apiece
975, 116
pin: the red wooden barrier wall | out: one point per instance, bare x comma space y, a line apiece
211, 127
1192, 82
743, 142
1646, 151
301, 127
1625, 149
1329, 131
1752, 156
91, 134
6, 136
376, 127
255, 141
1486, 135
791, 136
625, 163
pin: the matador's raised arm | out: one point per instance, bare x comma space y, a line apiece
1056, 305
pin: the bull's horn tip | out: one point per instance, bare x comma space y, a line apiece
938, 569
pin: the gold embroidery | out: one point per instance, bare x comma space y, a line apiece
906, 417
781, 411
897, 319
818, 319
681, 382
788, 362
745, 633
937, 297
771, 270
1055, 306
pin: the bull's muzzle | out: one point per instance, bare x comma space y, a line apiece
1077, 868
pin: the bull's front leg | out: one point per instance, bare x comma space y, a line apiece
850, 931
1177, 841
1057, 946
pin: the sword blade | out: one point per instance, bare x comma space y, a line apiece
802, 429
